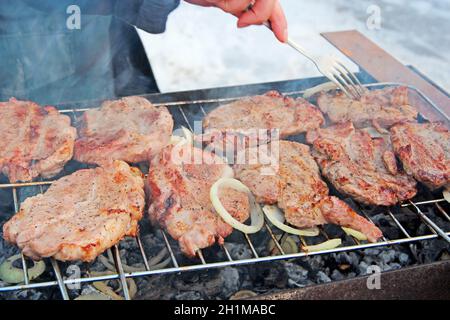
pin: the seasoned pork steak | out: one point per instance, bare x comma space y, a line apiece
179, 197
378, 108
360, 166
297, 188
424, 150
34, 140
130, 129
269, 111
80, 215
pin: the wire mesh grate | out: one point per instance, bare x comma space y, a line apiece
184, 113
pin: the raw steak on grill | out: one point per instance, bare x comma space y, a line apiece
34, 140
379, 108
80, 215
424, 150
296, 187
178, 190
130, 129
360, 166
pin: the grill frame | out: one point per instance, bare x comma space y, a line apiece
203, 264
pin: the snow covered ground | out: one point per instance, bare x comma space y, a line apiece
203, 48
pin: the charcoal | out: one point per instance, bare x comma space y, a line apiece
336, 275
432, 250
350, 258
188, 295
231, 281
387, 256
362, 268
395, 266
404, 259
269, 275
240, 251
321, 277
296, 273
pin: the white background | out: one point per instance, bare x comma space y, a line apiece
203, 48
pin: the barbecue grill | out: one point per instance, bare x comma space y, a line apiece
188, 107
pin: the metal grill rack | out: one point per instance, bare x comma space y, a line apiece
184, 113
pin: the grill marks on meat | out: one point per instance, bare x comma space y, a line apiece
424, 150
80, 215
297, 189
360, 166
179, 197
379, 108
35, 141
130, 129
269, 111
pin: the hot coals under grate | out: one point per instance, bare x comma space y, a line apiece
151, 266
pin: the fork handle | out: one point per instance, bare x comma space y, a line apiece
294, 45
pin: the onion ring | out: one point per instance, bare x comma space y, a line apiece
327, 86
276, 217
13, 275
288, 245
256, 215
188, 137
446, 194
104, 288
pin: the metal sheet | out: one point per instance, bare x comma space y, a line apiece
421, 282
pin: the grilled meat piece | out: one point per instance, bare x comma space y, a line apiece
80, 215
130, 129
296, 186
379, 108
424, 150
269, 111
35, 141
360, 166
178, 189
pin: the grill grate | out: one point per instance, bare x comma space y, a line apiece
184, 113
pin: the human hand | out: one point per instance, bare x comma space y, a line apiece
259, 11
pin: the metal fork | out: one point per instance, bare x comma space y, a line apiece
333, 69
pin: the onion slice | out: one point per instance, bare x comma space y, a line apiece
10, 274
447, 194
256, 215
93, 296
188, 137
327, 86
276, 217
327, 245
355, 234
